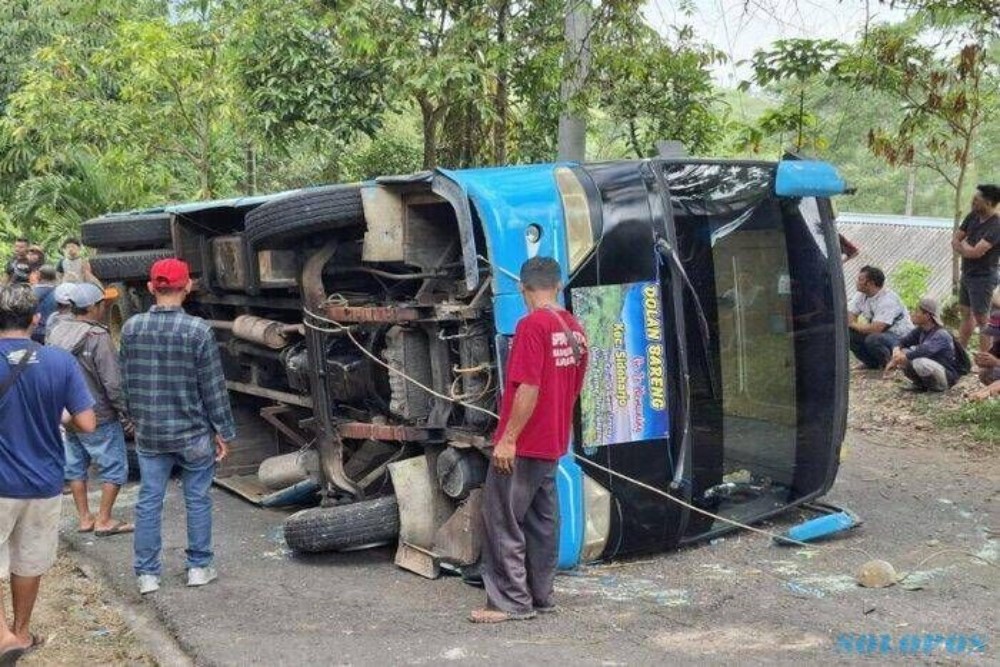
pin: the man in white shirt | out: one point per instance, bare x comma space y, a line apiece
877, 318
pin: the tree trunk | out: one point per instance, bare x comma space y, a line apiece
956, 259
501, 101
250, 186
205, 163
802, 106
207, 167
963, 168
911, 189
500, 124
469, 141
573, 125
633, 138
429, 116
208, 139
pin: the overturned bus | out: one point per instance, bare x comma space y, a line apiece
364, 330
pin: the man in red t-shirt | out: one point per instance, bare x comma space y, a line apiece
548, 359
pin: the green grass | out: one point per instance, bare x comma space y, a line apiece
983, 417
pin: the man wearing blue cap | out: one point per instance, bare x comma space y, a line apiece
90, 342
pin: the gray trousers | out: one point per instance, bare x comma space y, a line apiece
927, 374
521, 536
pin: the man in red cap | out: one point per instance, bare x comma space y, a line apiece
177, 397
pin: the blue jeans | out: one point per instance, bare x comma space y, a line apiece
873, 350
197, 464
105, 446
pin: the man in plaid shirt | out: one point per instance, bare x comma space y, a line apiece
176, 394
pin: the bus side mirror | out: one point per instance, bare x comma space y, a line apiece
808, 178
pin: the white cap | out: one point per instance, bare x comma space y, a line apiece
63, 292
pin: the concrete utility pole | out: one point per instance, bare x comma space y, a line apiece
572, 126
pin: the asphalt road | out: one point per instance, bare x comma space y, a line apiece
739, 599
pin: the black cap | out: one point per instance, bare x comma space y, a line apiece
990, 192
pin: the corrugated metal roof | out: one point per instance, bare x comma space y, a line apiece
888, 245
886, 219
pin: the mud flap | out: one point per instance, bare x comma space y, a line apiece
421, 561
459, 540
423, 509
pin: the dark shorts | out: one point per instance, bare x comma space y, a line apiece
976, 292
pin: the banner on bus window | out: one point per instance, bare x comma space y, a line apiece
624, 397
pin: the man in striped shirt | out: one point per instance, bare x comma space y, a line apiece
177, 397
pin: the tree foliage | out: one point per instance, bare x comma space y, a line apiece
945, 90
910, 281
201, 98
657, 88
150, 98
800, 62
298, 78
483, 75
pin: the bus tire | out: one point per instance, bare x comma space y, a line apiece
124, 232
366, 523
126, 266
301, 214
127, 304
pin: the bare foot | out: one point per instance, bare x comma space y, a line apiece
86, 524
13, 642
979, 395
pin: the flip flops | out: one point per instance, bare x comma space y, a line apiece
498, 616
10, 657
119, 528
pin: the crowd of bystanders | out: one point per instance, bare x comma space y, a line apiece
69, 401
885, 335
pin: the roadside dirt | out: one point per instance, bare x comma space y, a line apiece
80, 623
883, 409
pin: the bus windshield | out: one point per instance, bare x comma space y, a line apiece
759, 264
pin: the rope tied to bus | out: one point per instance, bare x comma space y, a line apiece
338, 327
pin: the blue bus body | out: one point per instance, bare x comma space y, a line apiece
711, 291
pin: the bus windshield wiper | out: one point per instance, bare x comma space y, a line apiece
670, 254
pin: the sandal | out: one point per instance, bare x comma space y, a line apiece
10, 657
499, 616
120, 528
